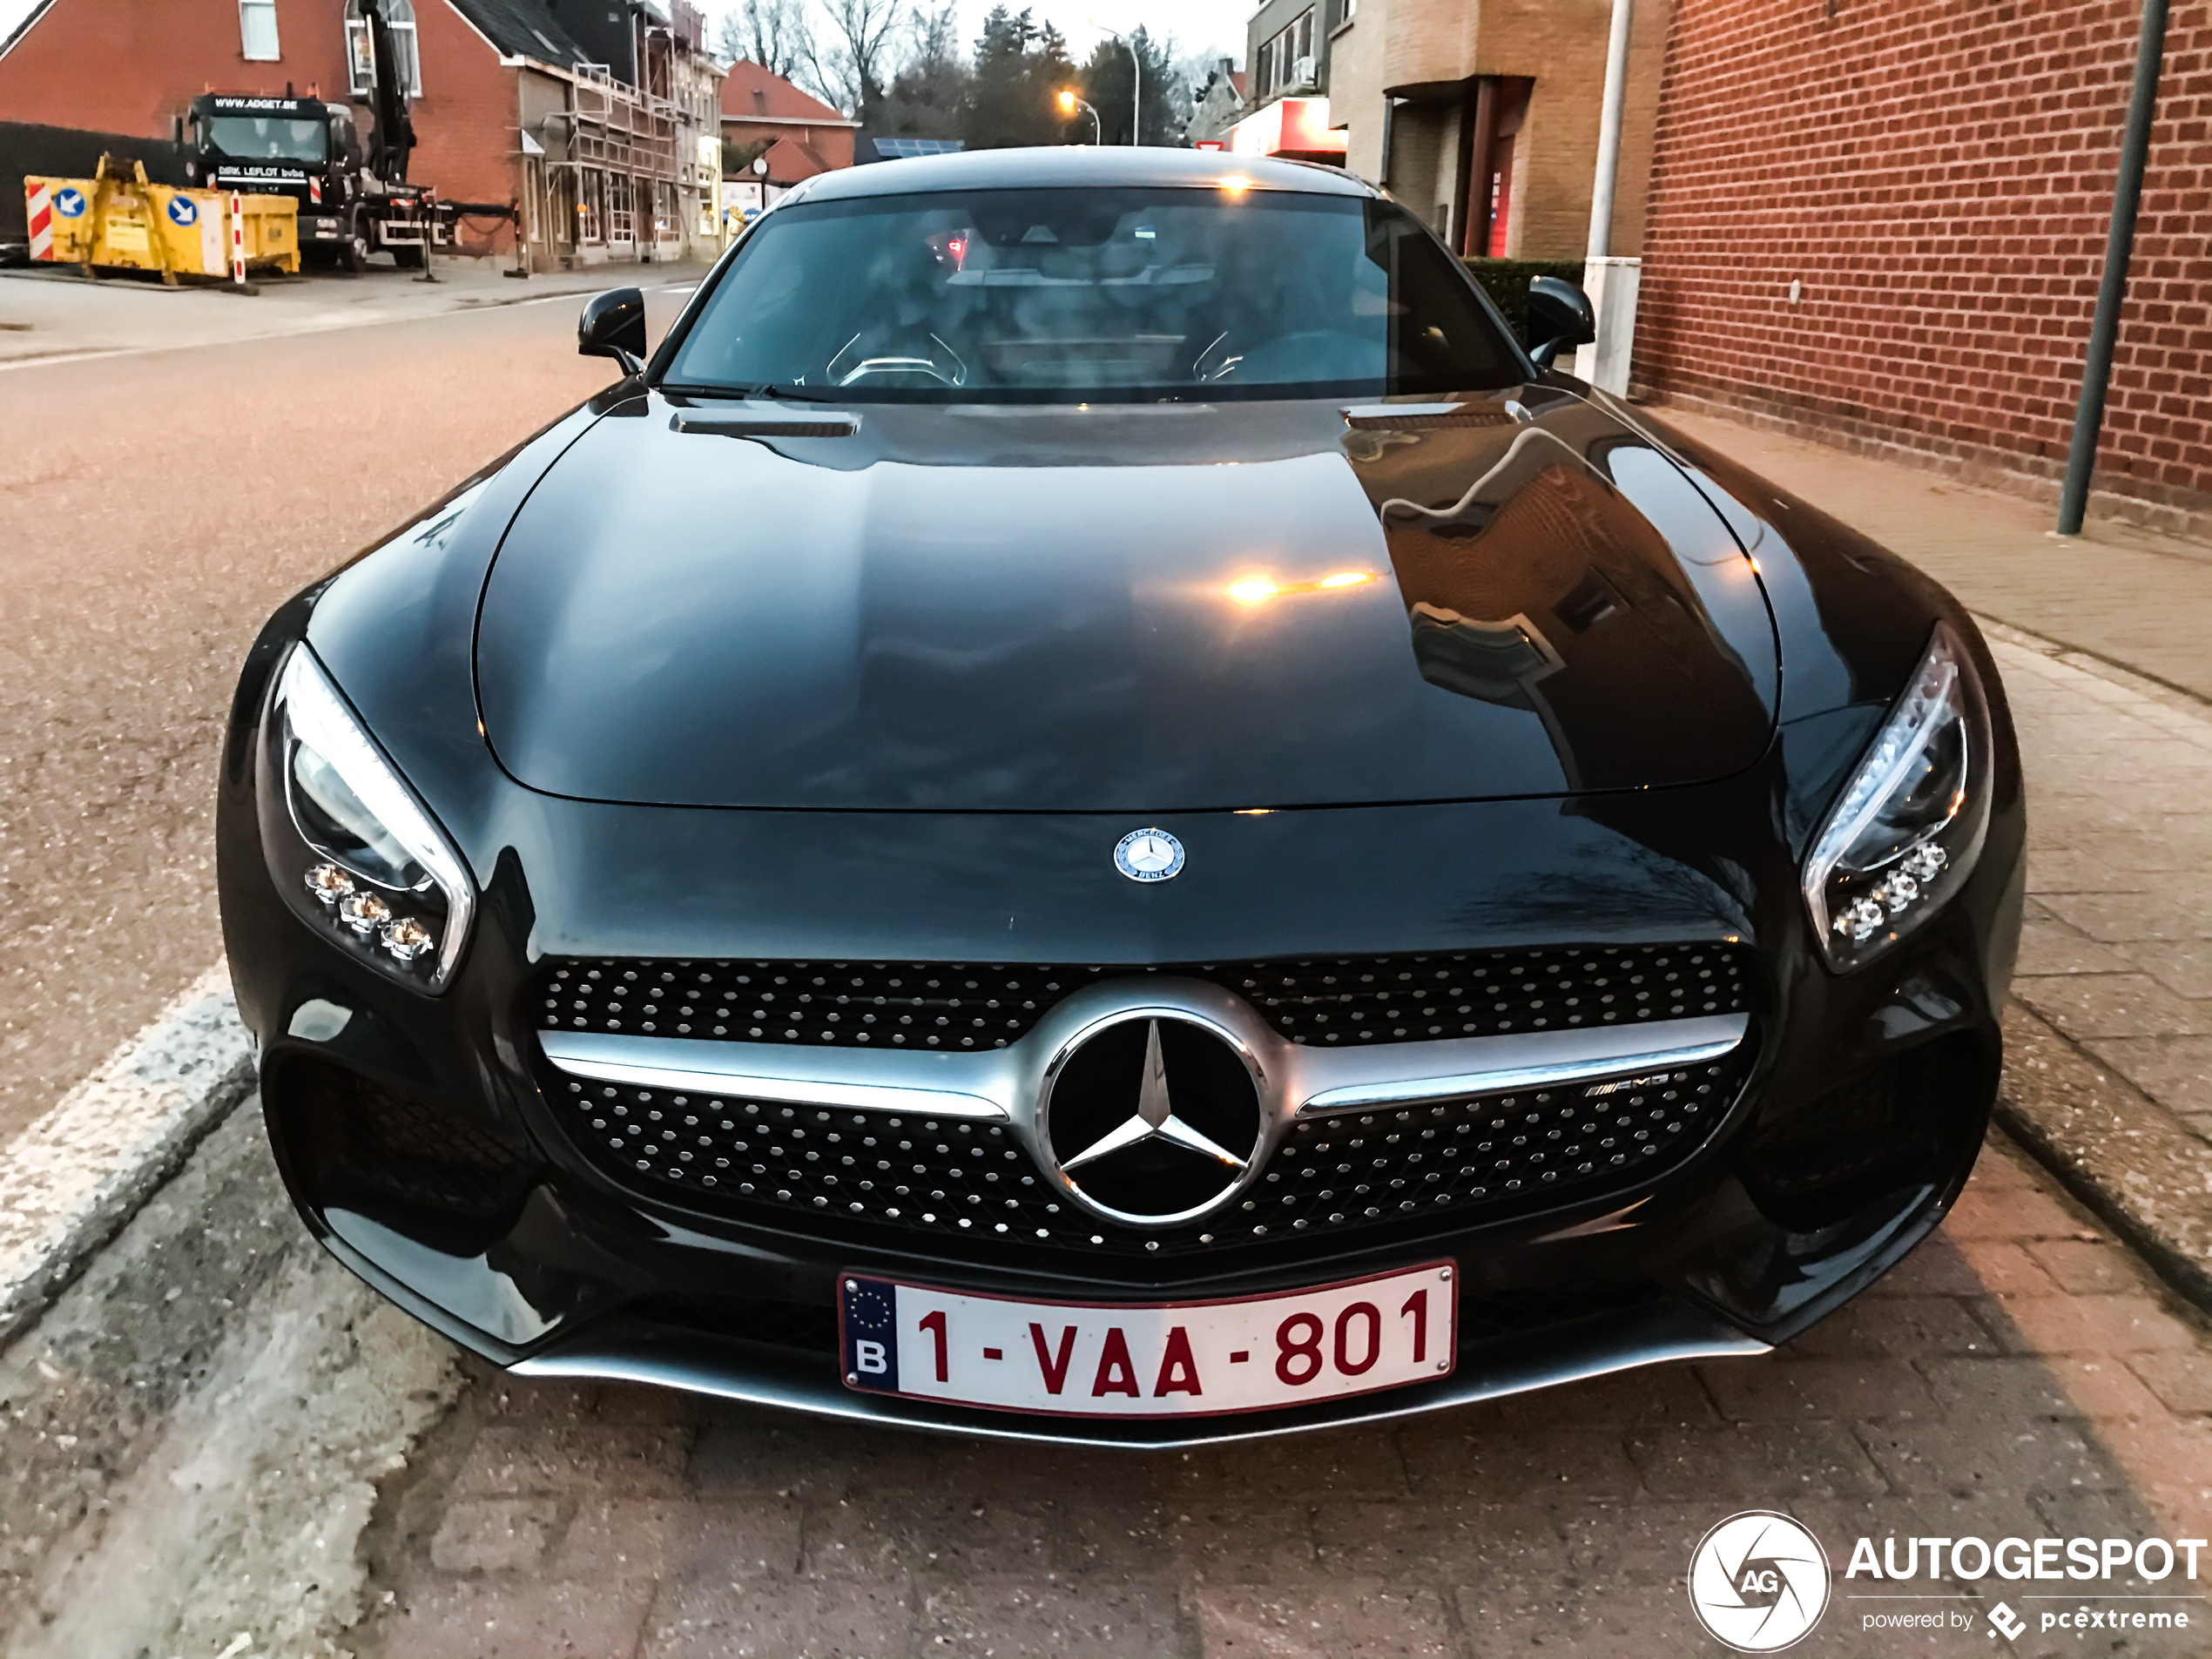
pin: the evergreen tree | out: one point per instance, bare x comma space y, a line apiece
1021, 67
1166, 100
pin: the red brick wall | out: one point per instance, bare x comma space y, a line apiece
468, 143
1937, 174
134, 65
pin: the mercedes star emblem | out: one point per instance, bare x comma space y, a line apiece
1155, 1115
1152, 1120
1149, 855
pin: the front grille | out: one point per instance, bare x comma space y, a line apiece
806, 1327
867, 1175
1349, 1000
1490, 1316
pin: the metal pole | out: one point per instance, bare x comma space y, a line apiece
1608, 130
1136, 81
1135, 95
2104, 327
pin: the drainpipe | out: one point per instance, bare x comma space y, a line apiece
1608, 130
2119, 244
1611, 284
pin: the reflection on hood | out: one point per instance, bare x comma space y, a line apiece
1533, 582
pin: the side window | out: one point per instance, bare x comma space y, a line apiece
360, 50
400, 15
257, 31
360, 55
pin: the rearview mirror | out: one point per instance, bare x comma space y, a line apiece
613, 325
1559, 315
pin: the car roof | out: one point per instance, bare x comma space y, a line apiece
1073, 165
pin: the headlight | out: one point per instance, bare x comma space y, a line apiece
1909, 826
349, 845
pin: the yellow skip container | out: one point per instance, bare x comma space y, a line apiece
121, 221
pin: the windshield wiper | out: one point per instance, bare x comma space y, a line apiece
685, 388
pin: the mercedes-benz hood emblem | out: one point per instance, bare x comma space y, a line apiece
1149, 855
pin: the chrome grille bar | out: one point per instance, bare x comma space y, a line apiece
994, 1086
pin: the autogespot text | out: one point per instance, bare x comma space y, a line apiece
2149, 1561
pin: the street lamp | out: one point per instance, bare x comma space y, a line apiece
1136, 80
1069, 103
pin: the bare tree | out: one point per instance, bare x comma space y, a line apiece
848, 59
927, 92
771, 33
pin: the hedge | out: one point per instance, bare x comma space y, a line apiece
1507, 282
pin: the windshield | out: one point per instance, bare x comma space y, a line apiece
267, 137
1060, 295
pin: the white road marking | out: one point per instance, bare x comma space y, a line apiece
316, 323
72, 1177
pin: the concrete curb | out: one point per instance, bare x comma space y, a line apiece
2130, 1161
2126, 1158
71, 1181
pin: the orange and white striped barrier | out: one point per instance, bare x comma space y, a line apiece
38, 207
238, 238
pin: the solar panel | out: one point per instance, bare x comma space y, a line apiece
906, 149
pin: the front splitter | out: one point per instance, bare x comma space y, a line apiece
624, 1350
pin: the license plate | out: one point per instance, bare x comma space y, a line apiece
1150, 1360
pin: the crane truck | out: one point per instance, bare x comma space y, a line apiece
354, 198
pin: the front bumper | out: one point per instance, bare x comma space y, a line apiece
421, 1141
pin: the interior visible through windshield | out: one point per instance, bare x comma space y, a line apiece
1093, 294
268, 137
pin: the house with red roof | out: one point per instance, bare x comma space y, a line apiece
803, 135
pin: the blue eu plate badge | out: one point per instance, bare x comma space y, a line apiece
871, 1326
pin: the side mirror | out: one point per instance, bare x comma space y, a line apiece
613, 325
1559, 315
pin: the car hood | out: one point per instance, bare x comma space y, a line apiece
1124, 609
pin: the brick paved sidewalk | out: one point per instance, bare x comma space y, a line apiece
2020, 1376
2128, 596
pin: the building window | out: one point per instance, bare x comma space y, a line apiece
361, 51
622, 216
257, 31
591, 207
1286, 61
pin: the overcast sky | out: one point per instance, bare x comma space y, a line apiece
1214, 26
1193, 24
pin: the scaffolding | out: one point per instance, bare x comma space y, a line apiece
633, 154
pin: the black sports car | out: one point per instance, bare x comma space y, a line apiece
1094, 809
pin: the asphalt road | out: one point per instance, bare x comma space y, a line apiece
154, 508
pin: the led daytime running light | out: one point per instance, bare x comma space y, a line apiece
318, 717
1893, 850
